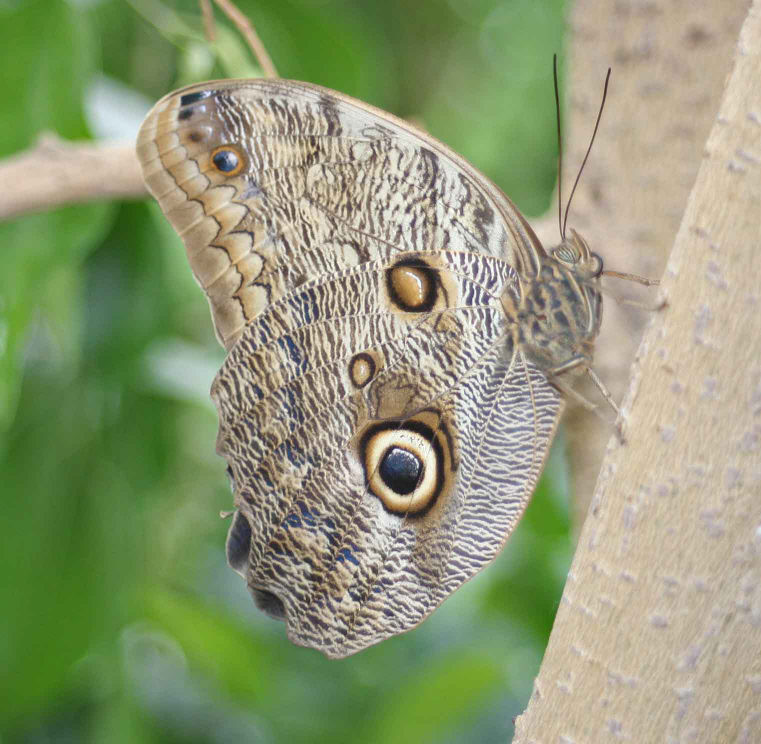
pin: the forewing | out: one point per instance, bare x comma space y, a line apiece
322, 182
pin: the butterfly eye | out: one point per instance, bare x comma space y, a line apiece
597, 265
566, 253
227, 160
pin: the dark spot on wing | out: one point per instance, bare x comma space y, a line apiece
189, 98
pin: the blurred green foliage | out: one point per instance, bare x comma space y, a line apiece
120, 620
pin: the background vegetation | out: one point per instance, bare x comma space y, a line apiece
120, 620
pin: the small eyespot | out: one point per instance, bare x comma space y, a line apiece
362, 367
412, 285
227, 160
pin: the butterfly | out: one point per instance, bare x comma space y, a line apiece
396, 337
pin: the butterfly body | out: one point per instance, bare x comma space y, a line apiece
560, 313
393, 328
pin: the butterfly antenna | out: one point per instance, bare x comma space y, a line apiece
589, 149
560, 147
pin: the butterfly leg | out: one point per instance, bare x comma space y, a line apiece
574, 363
645, 281
660, 305
603, 390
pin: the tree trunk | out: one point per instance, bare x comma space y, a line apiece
670, 61
658, 635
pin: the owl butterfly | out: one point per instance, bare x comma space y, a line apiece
395, 332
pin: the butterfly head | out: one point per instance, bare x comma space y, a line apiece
574, 254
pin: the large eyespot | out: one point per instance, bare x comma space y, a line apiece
227, 159
404, 466
412, 285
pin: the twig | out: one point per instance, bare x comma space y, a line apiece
247, 31
55, 172
208, 20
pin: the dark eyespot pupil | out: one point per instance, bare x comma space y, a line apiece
226, 161
400, 470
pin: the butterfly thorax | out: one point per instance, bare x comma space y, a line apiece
558, 312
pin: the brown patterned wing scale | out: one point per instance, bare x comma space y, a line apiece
381, 452
391, 323
272, 182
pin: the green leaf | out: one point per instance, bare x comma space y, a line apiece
215, 645
48, 59
40, 287
422, 707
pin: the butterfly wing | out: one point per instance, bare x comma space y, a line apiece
382, 429
381, 454
272, 182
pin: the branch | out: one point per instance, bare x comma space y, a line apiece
658, 634
248, 32
55, 172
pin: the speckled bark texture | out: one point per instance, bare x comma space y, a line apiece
658, 636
